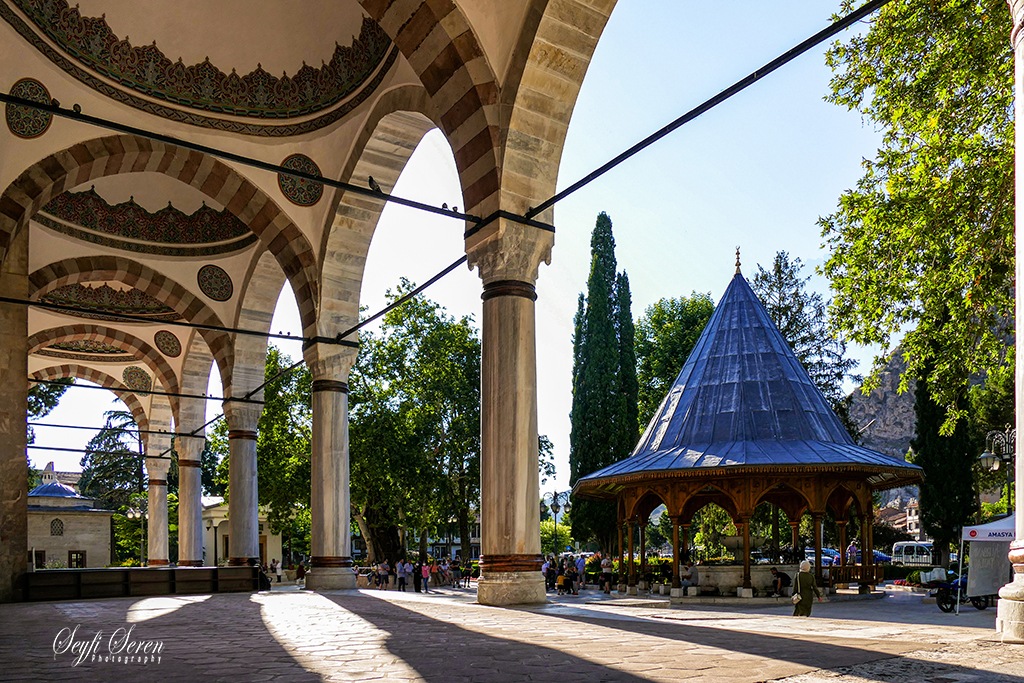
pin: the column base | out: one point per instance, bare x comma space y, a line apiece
157, 563
510, 588
1010, 610
331, 579
190, 563
241, 561
631, 590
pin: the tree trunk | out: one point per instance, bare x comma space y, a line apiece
365, 530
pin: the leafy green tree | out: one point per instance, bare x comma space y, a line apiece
603, 423
545, 458
665, 336
112, 466
947, 492
992, 407
42, 399
802, 318
552, 544
924, 244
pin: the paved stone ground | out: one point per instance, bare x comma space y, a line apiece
290, 635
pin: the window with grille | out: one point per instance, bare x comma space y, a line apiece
57, 527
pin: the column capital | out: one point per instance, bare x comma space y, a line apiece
189, 447
1017, 17
505, 250
330, 362
242, 415
157, 468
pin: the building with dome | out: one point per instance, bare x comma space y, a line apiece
66, 529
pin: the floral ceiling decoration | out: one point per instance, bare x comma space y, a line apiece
87, 350
87, 216
26, 122
142, 76
105, 299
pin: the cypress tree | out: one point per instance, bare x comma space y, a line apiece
947, 493
598, 411
629, 425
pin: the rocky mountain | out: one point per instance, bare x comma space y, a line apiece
886, 418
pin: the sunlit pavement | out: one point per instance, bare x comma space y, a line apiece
292, 635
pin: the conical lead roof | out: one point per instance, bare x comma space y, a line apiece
743, 399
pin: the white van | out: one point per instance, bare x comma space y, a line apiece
912, 553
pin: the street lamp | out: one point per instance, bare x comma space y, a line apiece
140, 513
1000, 450
559, 502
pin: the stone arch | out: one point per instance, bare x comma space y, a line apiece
120, 339
544, 86
439, 43
129, 399
263, 284
389, 139
120, 269
195, 378
118, 154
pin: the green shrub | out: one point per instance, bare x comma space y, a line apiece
914, 576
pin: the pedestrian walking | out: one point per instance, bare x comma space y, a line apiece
581, 571
400, 572
279, 570
807, 589
417, 577
425, 570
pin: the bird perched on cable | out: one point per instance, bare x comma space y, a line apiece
374, 185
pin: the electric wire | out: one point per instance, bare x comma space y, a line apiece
144, 393
527, 218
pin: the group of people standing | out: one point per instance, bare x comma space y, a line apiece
422, 574
567, 575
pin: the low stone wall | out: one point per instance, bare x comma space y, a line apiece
728, 578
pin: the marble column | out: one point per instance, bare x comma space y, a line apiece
507, 256
13, 411
330, 532
156, 472
243, 497
190, 505
1010, 613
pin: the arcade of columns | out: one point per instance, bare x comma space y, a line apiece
499, 78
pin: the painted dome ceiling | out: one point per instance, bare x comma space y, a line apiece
106, 299
87, 350
131, 227
216, 65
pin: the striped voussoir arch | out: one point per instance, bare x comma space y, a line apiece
118, 339
118, 154
120, 269
102, 379
438, 42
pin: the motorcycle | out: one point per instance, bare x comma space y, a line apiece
947, 595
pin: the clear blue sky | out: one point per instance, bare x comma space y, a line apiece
755, 172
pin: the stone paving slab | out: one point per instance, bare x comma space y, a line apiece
367, 635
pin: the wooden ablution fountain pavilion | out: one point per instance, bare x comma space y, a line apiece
743, 424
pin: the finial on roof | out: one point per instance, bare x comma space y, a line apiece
737, 260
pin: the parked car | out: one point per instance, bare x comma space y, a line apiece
912, 553
881, 558
826, 560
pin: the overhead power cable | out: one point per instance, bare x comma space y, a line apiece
146, 393
122, 430
162, 456
127, 317
818, 38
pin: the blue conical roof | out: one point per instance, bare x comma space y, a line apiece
744, 400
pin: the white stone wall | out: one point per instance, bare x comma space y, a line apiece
88, 531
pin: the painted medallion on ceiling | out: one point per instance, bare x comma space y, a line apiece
147, 79
128, 226
301, 191
93, 302
26, 122
137, 379
215, 283
168, 343
88, 350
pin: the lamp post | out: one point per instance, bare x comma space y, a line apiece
559, 502
141, 513
1000, 450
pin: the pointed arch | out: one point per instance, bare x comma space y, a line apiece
119, 154
134, 274
709, 494
126, 396
644, 504
120, 339
785, 497
195, 378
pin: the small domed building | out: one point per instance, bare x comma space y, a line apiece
743, 424
66, 529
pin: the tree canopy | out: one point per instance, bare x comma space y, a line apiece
923, 245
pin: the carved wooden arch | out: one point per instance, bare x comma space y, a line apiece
119, 154
129, 399
106, 268
843, 495
644, 501
788, 499
120, 339
702, 494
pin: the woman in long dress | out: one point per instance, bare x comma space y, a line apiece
807, 587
